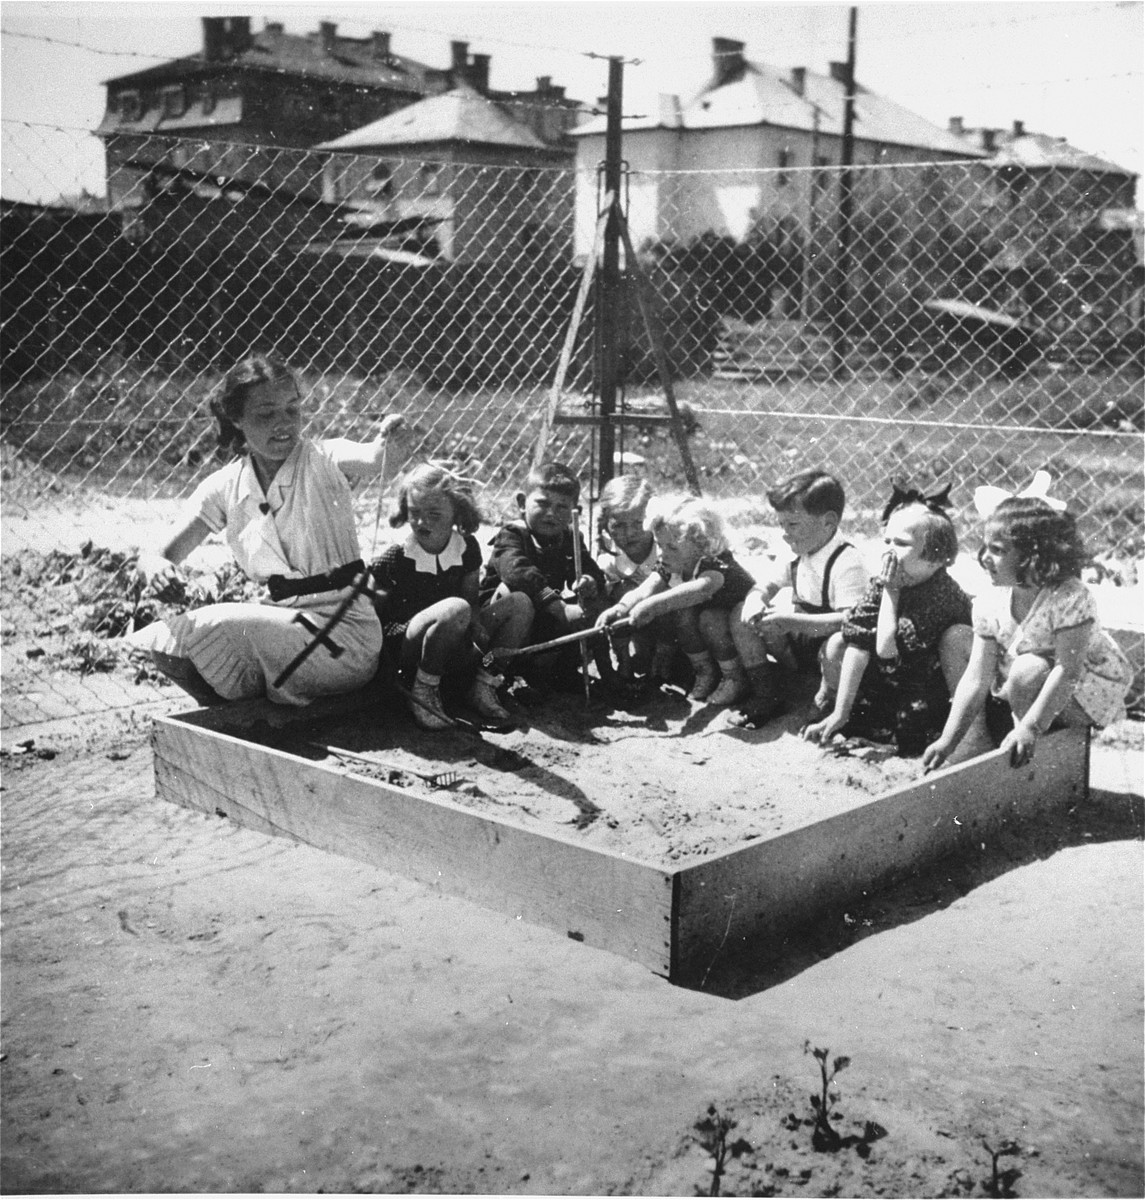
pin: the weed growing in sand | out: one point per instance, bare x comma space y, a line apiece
825, 1136
713, 1129
1001, 1183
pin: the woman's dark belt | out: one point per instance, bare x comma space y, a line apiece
282, 588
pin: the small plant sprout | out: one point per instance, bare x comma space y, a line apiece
825, 1136
713, 1129
1001, 1183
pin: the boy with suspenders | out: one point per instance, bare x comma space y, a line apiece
785, 622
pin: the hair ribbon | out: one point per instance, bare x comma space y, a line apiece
987, 498
939, 502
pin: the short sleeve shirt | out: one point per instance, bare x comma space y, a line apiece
1105, 672
302, 525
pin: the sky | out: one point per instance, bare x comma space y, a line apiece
1072, 70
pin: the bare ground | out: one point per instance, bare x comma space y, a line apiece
188, 1006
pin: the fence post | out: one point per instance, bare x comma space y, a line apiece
842, 301
608, 314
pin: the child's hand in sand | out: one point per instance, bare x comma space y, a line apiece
823, 731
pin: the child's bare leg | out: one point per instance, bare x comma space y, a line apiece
1026, 680
830, 668
693, 644
954, 655
762, 675
715, 629
432, 639
507, 619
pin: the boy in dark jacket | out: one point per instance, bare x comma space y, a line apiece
534, 556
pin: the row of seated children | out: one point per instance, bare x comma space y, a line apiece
889, 650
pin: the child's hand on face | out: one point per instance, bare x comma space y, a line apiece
890, 571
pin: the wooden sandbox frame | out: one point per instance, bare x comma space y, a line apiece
674, 920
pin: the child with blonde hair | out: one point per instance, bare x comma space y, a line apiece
697, 582
427, 598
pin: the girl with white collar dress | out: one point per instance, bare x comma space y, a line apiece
427, 587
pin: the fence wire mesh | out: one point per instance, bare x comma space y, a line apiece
921, 323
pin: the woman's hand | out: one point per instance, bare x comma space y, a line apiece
155, 574
394, 424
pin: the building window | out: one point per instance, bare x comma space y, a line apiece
430, 179
174, 101
130, 105
382, 180
783, 161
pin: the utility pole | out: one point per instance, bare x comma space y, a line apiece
608, 308
842, 322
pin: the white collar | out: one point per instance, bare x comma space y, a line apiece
434, 564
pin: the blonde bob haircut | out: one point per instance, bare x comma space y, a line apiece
694, 521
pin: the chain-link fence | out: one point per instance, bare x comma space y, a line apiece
928, 324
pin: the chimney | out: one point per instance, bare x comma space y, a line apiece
1019, 129
727, 58
544, 84
380, 44
224, 37
273, 27
460, 61
799, 80
838, 72
479, 73
327, 31
955, 126
990, 141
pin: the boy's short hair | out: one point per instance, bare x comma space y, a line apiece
623, 493
813, 490
554, 477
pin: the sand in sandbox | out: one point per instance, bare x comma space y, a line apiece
669, 782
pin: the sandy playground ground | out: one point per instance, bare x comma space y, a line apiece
188, 1006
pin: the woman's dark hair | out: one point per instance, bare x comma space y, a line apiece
228, 403
433, 478
1049, 546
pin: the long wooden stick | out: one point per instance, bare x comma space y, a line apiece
570, 336
578, 567
582, 635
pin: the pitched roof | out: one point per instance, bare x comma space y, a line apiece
765, 95
1039, 150
460, 115
349, 60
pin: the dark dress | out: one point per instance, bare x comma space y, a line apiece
905, 700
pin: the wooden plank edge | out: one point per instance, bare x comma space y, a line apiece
592, 894
788, 880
